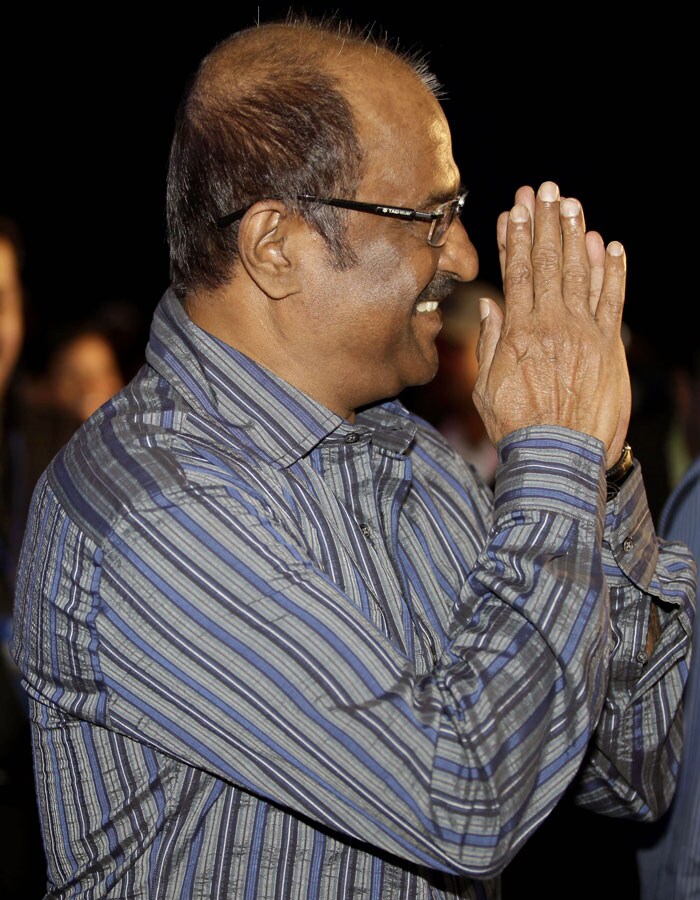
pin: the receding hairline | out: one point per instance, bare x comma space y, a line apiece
251, 53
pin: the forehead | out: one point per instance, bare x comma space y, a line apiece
404, 132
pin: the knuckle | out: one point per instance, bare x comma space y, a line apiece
550, 344
519, 272
613, 304
546, 258
575, 273
520, 344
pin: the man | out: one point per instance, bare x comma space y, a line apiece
278, 639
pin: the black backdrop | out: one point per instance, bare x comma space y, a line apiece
88, 105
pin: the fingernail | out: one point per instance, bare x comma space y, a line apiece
484, 307
615, 248
569, 207
549, 192
519, 213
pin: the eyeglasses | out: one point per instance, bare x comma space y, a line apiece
440, 218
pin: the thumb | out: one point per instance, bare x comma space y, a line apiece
491, 321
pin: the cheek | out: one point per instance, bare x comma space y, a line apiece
372, 303
392, 274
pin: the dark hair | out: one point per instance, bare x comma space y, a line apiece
262, 119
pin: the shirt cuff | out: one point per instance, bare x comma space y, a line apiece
546, 467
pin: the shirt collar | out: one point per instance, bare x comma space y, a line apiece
217, 380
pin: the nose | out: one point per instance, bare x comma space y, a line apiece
458, 255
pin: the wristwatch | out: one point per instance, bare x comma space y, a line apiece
615, 475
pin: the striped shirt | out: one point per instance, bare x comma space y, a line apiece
669, 861
274, 654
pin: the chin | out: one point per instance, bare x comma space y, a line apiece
419, 379
421, 370
428, 370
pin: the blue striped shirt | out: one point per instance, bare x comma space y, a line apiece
274, 654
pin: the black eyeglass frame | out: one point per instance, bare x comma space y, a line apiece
450, 210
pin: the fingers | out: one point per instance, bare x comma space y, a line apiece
530, 248
501, 238
555, 355
486, 351
546, 255
608, 279
516, 256
612, 294
576, 264
596, 257
526, 197
547, 246
491, 322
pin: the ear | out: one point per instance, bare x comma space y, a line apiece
266, 244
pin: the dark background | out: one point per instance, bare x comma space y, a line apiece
597, 104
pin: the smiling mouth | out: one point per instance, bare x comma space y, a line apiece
426, 306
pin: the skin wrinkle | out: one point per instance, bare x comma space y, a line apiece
547, 259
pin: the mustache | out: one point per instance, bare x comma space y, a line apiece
441, 285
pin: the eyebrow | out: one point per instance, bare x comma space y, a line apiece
442, 196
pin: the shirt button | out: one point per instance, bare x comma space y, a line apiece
642, 657
352, 438
627, 544
365, 529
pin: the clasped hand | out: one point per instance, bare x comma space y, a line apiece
555, 355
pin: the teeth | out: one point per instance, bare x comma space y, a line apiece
427, 306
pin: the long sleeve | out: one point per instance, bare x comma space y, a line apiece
263, 641
219, 639
633, 761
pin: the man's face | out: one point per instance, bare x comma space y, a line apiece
11, 313
375, 323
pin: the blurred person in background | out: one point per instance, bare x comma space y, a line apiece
50, 382
83, 371
683, 436
651, 418
12, 329
11, 302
